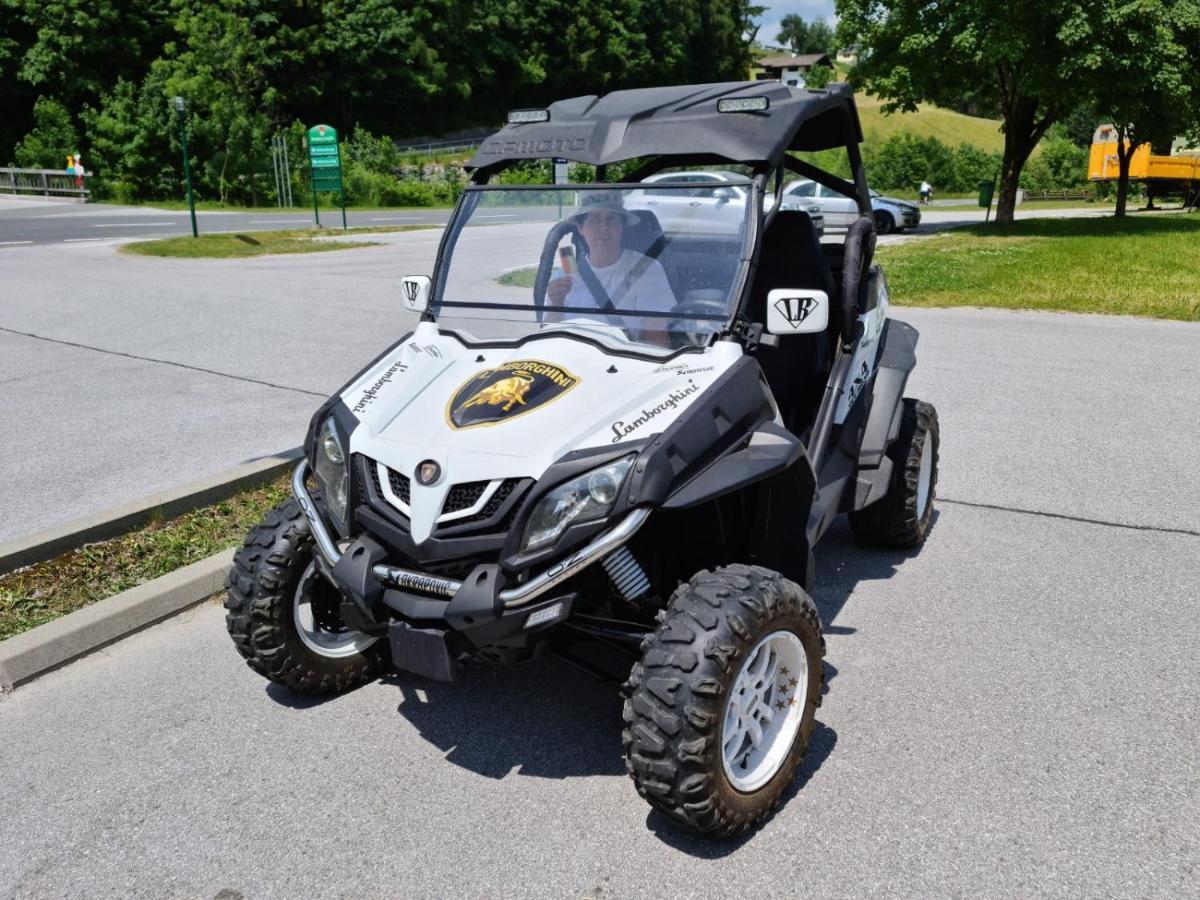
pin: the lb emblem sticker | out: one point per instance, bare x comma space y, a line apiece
496, 395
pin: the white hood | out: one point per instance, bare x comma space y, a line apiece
479, 417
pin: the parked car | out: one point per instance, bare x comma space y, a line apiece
840, 212
705, 209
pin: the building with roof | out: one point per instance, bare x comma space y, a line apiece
788, 68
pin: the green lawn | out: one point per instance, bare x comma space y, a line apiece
1142, 266
928, 121
258, 243
45, 591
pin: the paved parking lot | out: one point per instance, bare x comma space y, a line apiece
1012, 712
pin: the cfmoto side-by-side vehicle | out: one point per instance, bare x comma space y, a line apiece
615, 437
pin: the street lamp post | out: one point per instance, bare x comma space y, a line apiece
180, 106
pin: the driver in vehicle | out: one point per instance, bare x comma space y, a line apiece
633, 282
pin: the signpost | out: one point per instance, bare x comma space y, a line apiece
560, 177
325, 166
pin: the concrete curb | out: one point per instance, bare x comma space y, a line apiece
165, 505
56, 643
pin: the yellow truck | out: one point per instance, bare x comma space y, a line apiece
1177, 173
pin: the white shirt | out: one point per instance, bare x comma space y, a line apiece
634, 283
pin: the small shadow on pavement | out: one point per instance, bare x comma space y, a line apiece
292, 700
546, 720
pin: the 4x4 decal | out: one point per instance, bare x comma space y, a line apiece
496, 395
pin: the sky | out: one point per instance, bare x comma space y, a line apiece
777, 9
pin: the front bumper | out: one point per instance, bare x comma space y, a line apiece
479, 608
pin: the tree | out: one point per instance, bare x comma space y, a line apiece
802, 37
793, 32
52, 138
1145, 75
1024, 57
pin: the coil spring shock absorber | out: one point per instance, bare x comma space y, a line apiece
626, 574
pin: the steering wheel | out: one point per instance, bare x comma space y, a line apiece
682, 313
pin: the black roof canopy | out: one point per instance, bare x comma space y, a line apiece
681, 121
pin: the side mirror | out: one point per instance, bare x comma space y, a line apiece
416, 292
797, 311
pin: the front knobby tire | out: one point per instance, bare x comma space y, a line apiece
903, 516
705, 675
282, 613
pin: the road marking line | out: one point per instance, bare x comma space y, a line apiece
276, 221
498, 216
395, 218
10, 243
136, 225
78, 240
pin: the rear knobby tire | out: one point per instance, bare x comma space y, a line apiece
904, 515
261, 610
677, 715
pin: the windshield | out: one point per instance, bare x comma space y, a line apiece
647, 268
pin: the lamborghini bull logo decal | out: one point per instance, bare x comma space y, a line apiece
495, 395
507, 391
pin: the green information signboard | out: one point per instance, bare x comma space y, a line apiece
325, 166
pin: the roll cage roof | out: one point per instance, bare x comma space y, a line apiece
675, 122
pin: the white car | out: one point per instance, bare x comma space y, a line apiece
840, 212
714, 203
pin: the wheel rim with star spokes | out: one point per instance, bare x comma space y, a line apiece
763, 710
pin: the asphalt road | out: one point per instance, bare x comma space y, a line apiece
27, 223
1011, 712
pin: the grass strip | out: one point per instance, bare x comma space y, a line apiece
39, 593
523, 277
238, 245
1141, 266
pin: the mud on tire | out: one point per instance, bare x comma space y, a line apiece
899, 518
260, 608
677, 694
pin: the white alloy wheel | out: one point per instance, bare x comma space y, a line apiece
923, 479
763, 710
315, 626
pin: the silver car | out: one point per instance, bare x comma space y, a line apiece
709, 206
840, 212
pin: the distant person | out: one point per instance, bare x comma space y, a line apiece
78, 169
926, 192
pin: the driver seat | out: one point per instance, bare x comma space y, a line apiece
646, 237
796, 370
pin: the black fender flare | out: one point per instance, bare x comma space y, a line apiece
897, 358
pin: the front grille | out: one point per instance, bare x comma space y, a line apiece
464, 496
400, 485
503, 504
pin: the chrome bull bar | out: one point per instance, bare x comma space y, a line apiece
407, 579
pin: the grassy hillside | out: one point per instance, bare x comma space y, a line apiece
949, 127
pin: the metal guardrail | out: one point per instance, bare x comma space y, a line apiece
429, 149
47, 182
1060, 195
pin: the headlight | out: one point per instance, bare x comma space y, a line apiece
331, 469
583, 499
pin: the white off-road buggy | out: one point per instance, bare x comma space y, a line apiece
623, 463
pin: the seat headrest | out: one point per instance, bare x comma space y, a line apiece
645, 236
